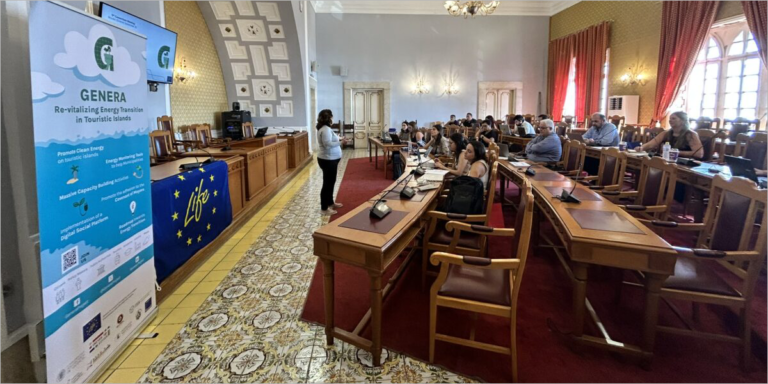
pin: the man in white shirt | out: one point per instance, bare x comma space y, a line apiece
601, 133
520, 122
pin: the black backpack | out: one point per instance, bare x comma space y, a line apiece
396, 166
465, 196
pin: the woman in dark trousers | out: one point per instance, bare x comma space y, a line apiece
328, 158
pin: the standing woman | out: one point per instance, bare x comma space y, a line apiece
328, 158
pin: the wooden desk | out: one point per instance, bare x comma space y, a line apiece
515, 140
387, 148
262, 164
257, 142
298, 148
642, 250
372, 252
235, 169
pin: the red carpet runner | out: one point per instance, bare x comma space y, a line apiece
546, 293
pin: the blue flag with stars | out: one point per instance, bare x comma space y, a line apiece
188, 211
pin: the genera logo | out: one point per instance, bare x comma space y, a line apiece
163, 57
103, 54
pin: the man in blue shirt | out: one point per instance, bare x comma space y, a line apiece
546, 147
601, 133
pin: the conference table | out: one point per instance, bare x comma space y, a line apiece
596, 232
374, 143
357, 240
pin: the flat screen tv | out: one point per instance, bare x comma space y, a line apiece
161, 43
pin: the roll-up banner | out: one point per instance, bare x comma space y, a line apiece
89, 89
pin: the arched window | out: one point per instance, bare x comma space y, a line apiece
699, 98
742, 78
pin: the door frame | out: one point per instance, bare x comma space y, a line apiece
515, 86
350, 86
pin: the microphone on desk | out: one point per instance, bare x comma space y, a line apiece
419, 171
197, 164
226, 144
568, 197
380, 209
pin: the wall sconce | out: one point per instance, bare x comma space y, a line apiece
634, 76
183, 75
449, 85
420, 88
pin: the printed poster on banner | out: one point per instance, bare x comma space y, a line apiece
89, 90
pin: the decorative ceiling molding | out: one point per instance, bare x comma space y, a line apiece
435, 7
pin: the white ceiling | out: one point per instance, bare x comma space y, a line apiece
435, 7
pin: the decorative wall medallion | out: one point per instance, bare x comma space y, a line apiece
245, 8
241, 71
269, 10
286, 90
245, 105
285, 109
282, 71
182, 366
222, 10
276, 31
227, 30
243, 90
265, 110
247, 362
264, 89
251, 30
236, 51
259, 57
278, 51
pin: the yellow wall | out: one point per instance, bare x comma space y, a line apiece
198, 100
635, 34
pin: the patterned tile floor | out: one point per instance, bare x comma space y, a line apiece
236, 319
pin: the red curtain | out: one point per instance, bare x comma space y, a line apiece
591, 45
757, 18
560, 54
684, 27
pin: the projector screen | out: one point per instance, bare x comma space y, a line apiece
161, 43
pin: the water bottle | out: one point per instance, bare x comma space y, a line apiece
666, 149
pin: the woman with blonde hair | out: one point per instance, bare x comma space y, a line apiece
680, 137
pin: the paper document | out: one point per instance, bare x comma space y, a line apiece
520, 164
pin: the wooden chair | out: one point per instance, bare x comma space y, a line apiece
630, 133
165, 123
574, 153
480, 285
160, 144
437, 238
569, 120
710, 144
725, 237
618, 121
248, 131
653, 197
752, 147
561, 129
529, 118
704, 122
610, 174
649, 133
740, 125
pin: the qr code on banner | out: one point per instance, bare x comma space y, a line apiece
69, 260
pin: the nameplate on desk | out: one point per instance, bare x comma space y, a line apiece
363, 221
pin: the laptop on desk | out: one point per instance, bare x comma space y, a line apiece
743, 168
395, 138
261, 132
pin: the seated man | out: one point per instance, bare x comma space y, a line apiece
469, 121
453, 121
520, 122
601, 133
546, 147
487, 135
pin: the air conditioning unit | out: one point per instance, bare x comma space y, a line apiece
627, 106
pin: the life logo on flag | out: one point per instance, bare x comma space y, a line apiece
190, 210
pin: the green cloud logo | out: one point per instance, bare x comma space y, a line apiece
163, 57
103, 54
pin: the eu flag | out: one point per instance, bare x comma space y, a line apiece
188, 211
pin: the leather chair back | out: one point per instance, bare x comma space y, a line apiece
708, 139
618, 121
612, 166
704, 122
649, 133
203, 135
529, 118
657, 182
561, 129
740, 125
573, 155
165, 123
734, 206
161, 143
630, 133
755, 148
248, 130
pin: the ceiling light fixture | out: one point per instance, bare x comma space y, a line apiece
470, 8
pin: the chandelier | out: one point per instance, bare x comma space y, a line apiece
470, 8
420, 87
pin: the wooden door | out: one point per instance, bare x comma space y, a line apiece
367, 114
498, 103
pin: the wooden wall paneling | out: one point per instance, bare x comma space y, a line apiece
236, 167
270, 164
256, 180
282, 157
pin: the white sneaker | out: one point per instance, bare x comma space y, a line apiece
329, 212
337, 205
